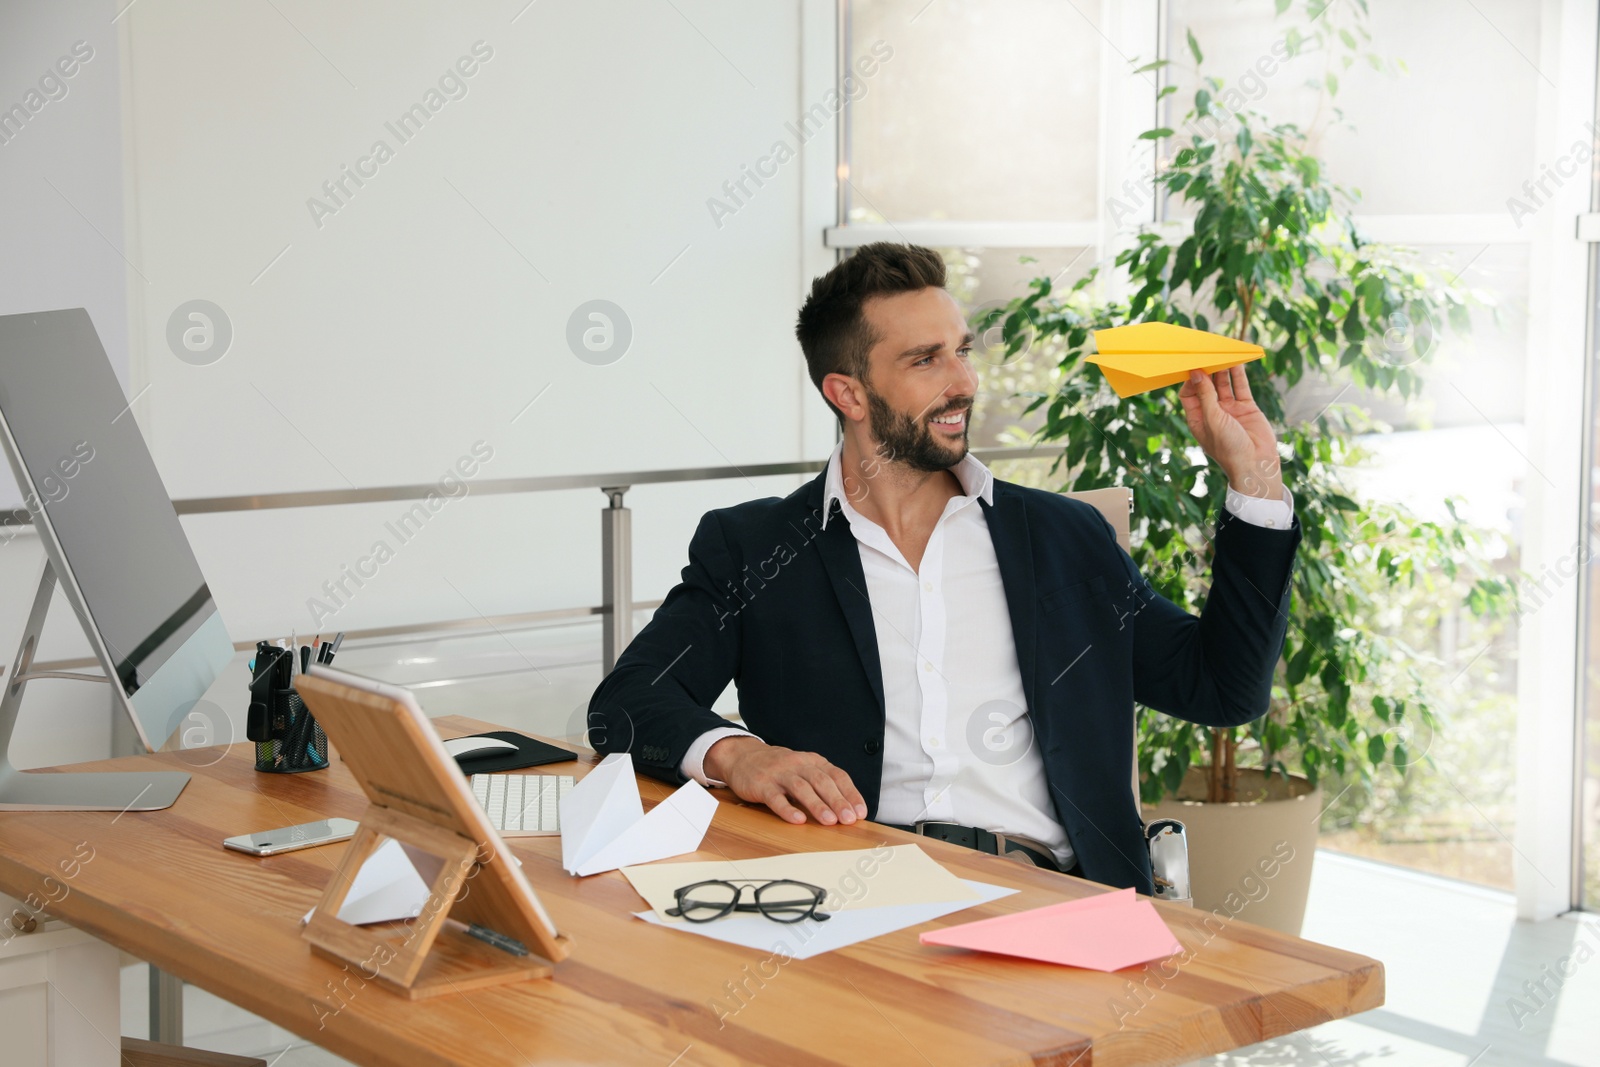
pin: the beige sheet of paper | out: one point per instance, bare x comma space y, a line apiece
854, 878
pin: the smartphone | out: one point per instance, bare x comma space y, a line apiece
289, 838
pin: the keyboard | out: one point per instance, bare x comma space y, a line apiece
522, 805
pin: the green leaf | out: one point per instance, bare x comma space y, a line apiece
1156, 134
1194, 47
1172, 776
1355, 331
1142, 297
1244, 140
1156, 65
1183, 261
1295, 673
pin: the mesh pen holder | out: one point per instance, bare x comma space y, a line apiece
298, 743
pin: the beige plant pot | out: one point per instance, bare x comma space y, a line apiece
1249, 860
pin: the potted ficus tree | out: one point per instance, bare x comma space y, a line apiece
1272, 257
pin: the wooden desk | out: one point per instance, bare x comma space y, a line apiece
161, 886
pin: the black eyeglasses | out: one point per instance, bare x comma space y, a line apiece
779, 899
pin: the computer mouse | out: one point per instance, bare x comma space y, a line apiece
474, 746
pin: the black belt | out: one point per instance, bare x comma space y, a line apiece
980, 839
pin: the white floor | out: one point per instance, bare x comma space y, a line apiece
1456, 959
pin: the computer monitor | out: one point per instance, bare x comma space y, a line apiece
114, 544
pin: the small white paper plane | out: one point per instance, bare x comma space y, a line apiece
604, 825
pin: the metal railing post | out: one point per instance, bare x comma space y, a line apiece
616, 576
166, 1007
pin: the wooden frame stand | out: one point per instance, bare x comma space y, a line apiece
431, 954
420, 799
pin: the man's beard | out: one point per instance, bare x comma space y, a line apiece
903, 439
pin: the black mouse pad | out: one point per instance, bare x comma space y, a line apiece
529, 753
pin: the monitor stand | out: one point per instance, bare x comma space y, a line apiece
68, 790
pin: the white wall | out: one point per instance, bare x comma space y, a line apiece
61, 171
61, 216
377, 344
432, 307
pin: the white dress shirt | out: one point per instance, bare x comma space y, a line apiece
957, 744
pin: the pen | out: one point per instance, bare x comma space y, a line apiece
333, 649
305, 658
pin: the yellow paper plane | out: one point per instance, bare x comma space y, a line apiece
1148, 355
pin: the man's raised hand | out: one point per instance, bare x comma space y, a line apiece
1232, 430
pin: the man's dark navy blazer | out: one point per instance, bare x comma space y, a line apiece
776, 603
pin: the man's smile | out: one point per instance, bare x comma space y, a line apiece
952, 423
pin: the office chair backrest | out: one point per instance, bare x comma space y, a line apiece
1116, 504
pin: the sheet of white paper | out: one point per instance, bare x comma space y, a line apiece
387, 887
855, 878
804, 940
604, 825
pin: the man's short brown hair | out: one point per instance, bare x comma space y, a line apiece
833, 333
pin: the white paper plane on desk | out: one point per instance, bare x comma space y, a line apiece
604, 825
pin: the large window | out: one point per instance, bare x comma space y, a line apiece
1037, 160
983, 111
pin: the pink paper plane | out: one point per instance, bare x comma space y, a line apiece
1102, 933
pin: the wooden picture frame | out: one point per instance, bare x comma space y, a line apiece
421, 799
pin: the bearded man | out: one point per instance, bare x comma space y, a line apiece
889, 619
